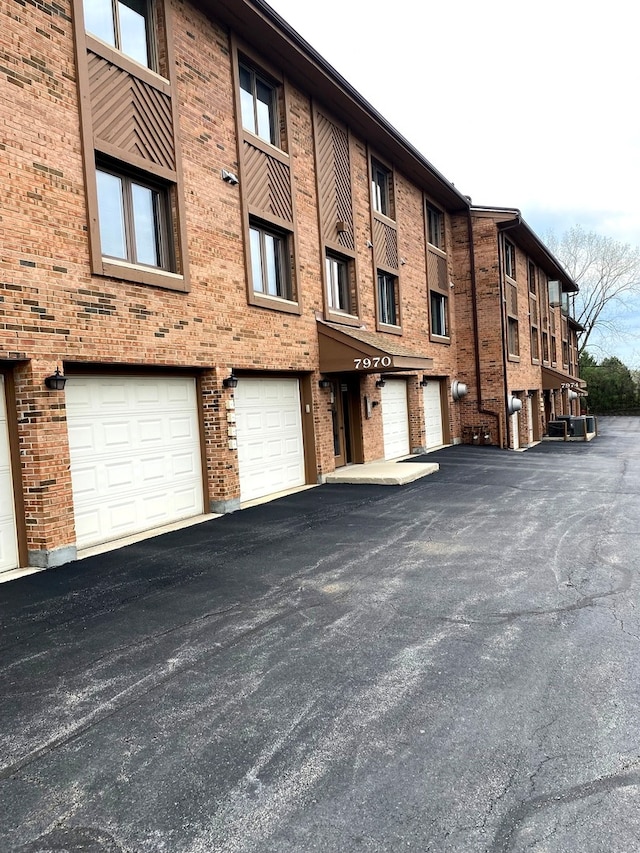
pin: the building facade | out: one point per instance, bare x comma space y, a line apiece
245, 275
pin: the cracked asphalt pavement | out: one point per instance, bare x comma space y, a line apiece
449, 666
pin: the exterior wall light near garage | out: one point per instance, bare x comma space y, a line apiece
230, 382
56, 381
380, 383
513, 404
325, 384
458, 390
424, 382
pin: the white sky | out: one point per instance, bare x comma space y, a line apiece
534, 105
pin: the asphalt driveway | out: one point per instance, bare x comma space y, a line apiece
451, 665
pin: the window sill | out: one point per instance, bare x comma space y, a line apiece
514, 358
342, 318
126, 63
274, 303
389, 328
440, 339
266, 147
143, 275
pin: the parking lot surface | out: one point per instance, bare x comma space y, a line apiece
450, 665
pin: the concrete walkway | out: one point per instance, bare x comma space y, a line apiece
391, 472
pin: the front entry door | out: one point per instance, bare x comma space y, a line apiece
341, 415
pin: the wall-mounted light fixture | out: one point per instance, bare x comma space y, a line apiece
458, 389
380, 383
56, 381
424, 382
325, 384
369, 244
230, 177
231, 381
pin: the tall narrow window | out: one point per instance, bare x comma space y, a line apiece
269, 262
133, 220
513, 338
258, 105
124, 24
381, 189
438, 305
387, 299
509, 259
338, 284
435, 227
532, 278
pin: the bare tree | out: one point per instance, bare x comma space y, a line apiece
608, 274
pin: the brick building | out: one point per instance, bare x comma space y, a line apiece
247, 277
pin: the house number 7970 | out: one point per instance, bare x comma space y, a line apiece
376, 361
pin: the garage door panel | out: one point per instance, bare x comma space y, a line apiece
395, 419
269, 429
433, 415
128, 465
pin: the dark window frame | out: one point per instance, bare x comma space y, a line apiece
144, 9
259, 78
282, 258
336, 261
435, 227
387, 284
510, 259
381, 189
163, 227
513, 337
439, 315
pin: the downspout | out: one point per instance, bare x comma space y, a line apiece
474, 312
503, 311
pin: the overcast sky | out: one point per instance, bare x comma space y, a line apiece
519, 104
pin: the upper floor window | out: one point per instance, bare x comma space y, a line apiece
381, 189
388, 299
134, 220
258, 105
270, 267
435, 227
439, 311
509, 259
338, 283
513, 338
531, 274
124, 24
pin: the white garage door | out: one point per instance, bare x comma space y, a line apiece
135, 454
395, 419
270, 447
8, 537
433, 414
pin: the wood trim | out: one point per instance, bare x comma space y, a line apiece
308, 429
108, 267
121, 60
273, 303
139, 163
16, 464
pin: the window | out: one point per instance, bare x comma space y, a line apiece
535, 352
270, 262
554, 354
439, 324
545, 346
338, 284
258, 105
512, 336
124, 24
509, 259
134, 220
387, 298
435, 227
381, 189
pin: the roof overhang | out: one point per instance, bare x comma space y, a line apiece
510, 219
555, 380
344, 350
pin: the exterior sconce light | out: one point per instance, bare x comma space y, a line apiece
369, 244
325, 384
513, 404
424, 382
230, 382
56, 381
380, 383
458, 390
